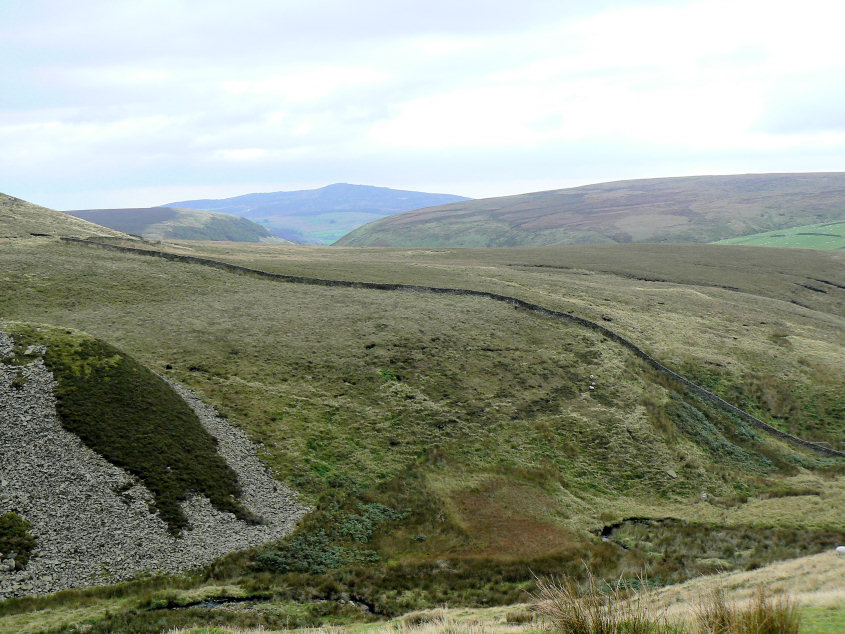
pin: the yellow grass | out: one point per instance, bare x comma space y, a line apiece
817, 580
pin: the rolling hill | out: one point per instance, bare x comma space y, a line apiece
827, 235
21, 219
449, 445
320, 216
684, 209
170, 223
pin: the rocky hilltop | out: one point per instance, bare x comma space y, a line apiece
92, 521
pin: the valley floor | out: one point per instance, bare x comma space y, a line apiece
816, 584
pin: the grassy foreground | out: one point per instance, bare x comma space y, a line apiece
812, 586
453, 446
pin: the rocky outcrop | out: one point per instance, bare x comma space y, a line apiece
91, 519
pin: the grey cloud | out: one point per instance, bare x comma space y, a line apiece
805, 105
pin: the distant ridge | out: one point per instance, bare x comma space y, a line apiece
22, 219
681, 209
320, 216
170, 223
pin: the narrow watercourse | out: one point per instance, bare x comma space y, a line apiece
517, 303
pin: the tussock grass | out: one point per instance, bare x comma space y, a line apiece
762, 615
810, 581
595, 608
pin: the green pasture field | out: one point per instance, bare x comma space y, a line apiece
829, 235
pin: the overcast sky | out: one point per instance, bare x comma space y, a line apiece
145, 102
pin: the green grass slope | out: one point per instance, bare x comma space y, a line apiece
452, 445
827, 235
170, 223
133, 418
21, 219
685, 209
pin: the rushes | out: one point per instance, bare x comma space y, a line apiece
763, 615
597, 609
614, 609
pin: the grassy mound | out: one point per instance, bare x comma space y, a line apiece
21, 219
134, 420
15, 538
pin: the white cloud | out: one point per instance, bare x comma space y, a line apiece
133, 96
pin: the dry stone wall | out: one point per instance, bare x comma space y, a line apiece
91, 519
517, 303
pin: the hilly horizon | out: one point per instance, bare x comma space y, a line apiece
322, 215
172, 223
677, 209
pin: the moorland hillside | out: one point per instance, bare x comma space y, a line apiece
427, 429
169, 223
683, 209
21, 219
450, 445
321, 216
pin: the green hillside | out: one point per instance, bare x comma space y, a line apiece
828, 235
20, 219
451, 446
170, 223
685, 209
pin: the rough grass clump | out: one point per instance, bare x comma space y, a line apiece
15, 538
597, 608
764, 615
136, 421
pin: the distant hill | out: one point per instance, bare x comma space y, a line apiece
684, 209
321, 216
827, 235
170, 223
21, 219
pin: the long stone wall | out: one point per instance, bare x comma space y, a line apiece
518, 303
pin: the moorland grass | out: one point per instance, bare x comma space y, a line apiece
762, 352
134, 419
472, 420
21, 219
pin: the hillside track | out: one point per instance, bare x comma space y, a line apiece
515, 302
